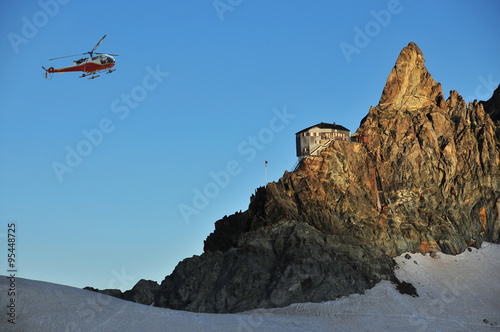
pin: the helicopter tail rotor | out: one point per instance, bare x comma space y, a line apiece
48, 73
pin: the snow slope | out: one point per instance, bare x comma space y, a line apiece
456, 293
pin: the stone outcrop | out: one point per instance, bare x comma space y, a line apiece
492, 106
410, 86
274, 266
427, 180
143, 292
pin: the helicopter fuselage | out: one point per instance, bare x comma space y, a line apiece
88, 65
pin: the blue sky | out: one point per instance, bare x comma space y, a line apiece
203, 94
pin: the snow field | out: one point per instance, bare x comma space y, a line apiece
456, 293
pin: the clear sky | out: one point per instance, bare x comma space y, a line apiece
119, 178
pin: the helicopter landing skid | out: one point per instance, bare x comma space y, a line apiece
90, 78
96, 76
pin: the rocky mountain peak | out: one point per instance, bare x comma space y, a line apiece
410, 86
427, 179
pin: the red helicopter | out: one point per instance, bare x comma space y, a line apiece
102, 62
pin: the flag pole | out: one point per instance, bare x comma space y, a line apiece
266, 171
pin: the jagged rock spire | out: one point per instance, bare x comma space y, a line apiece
410, 86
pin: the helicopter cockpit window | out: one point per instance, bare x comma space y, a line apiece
105, 59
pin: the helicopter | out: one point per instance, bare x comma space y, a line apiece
94, 64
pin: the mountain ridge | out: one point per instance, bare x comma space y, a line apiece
427, 180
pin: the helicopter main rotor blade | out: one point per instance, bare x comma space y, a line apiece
67, 56
91, 52
108, 54
100, 41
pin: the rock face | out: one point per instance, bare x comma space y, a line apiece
427, 180
274, 266
410, 86
492, 106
